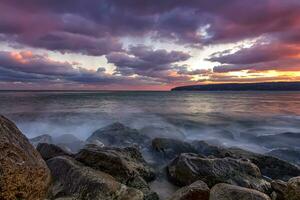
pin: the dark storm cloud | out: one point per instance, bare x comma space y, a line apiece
95, 26
98, 27
145, 61
26, 67
274, 56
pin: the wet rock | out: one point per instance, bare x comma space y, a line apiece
282, 140
120, 136
279, 187
188, 168
293, 189
41, 139
290, 155
95, 142
23, 172
49, 151
125, 164
269, 166
75, 181
224, 191
197, 190
162, 132
207, 149
170, 148
70, 142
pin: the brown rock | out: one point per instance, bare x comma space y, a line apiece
224, 191
197, 190
49, 151
24, 174
293, 189
279, 188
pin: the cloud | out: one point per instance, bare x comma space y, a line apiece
145, 61
95, 27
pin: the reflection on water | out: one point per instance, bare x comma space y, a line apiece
225, 117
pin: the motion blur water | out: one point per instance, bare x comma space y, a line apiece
221, 117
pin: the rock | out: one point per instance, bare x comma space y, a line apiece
290, 155
49, 151
162, 132
293, 189
282, 140
23, 172
70, 142
207, 149
188, 168
224, 191
170, 148
269, 166
120, 136
95, 142
125, 164
279, 187
41, 139
75, 181
197, 190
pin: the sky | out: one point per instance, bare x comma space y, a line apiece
146, 44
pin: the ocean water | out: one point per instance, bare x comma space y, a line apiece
227, 118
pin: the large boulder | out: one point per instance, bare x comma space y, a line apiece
170, 148
293, 189
72, 180
23, 172
163, 132
206, 149
279, 188
125, 164
290, 155
269, 166
188, 168
197, 190
281, 140
41, 139
224, 191
49, 151
120, 136
69, 142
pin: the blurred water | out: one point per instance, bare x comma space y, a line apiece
224, 117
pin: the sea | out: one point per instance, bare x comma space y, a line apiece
227, 118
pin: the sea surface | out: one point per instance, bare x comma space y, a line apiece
227, 118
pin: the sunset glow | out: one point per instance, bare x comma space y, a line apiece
154, 45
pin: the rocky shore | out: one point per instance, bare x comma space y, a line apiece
120, 163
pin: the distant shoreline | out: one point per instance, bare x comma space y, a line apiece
265, 86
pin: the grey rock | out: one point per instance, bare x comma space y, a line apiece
72, 179
290, 155
49, 151
269, 166
188, 168
169, 148
125, 164
41, 139
120, 136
